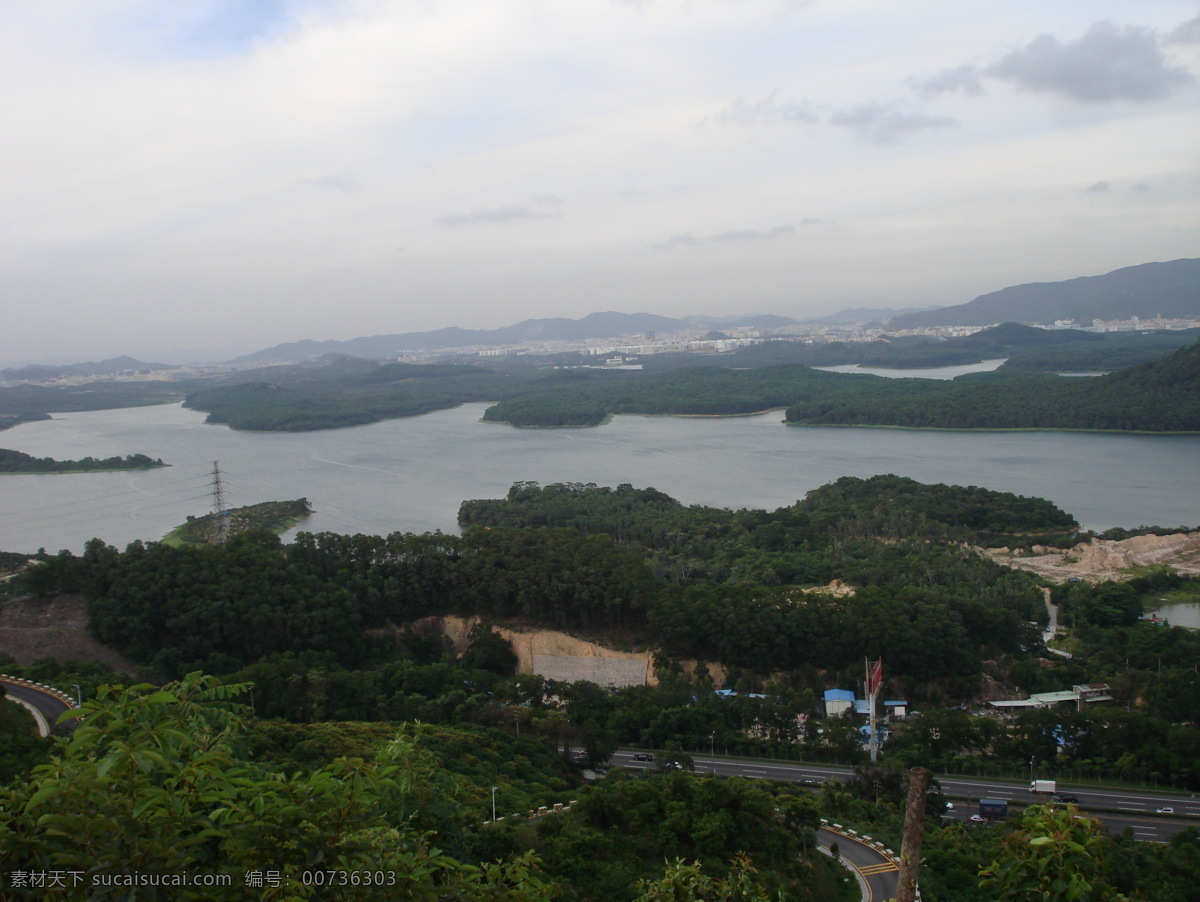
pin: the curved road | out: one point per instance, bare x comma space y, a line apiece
46, 704
880, 877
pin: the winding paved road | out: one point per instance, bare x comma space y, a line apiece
45, 704
880, 876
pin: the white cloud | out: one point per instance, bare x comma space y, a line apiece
885, 123
1108, 63
541, 207
688, 239
191, 165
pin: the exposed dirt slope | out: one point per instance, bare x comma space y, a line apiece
1102, 559
560, 656
38, 628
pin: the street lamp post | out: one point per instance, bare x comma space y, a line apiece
78, 695
494, 788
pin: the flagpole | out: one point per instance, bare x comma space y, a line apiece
874, 677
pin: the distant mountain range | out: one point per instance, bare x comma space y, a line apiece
1171, 289
863, 315
594, 325
36, 372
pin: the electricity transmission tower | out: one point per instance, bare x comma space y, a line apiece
220, 511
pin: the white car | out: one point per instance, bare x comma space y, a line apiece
978, 819
1166, 810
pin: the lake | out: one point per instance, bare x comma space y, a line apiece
411, 474
1185, 614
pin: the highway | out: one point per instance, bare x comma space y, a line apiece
1116, 808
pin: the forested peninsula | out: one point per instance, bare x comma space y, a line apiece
272, 516
1159, 396
20, 462
1162, 395
1154, 388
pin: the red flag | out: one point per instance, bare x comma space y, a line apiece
874, 676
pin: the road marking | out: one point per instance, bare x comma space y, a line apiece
881, 868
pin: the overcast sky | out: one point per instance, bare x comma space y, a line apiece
194, 175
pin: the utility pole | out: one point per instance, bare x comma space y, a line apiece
914, 834
220, 512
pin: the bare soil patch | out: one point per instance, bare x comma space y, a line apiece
32, 628
1103, 559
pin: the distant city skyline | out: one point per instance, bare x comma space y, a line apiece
227, 176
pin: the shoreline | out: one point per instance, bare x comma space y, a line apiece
987, 429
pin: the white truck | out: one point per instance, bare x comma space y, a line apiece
1049, 787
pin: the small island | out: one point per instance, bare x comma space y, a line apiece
274, 516
20, 462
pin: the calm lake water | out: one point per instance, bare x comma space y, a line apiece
1185, 614
411, 474
941, 372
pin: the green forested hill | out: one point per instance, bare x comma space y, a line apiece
20, 462
628, 563
347, 392
28, 403
1159, 396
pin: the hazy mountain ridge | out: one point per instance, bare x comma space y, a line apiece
594, 325
1171, 289
91, 368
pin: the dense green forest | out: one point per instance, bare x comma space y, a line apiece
29, 403
710, 583
1117, 351
340, 396
334, 626
1024, 347
206, 788
19, 462
337, 627
339, 638
1158, 394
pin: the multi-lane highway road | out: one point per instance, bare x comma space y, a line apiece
1116, 808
